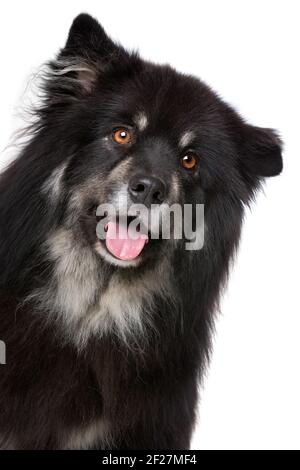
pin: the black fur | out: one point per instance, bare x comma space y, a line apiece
146, 390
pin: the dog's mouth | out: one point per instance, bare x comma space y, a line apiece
124, 242
124, 238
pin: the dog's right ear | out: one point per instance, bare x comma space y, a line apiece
87, 38
87, 53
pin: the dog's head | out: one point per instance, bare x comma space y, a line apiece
125, 131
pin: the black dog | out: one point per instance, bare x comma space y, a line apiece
106, 342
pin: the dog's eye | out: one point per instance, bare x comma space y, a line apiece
189, 161
122, 136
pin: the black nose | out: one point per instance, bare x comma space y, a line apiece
147, 190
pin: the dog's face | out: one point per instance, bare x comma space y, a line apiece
147, 150
138, 133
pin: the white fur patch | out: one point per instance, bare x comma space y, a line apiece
186, 139
53, 186
88, 436
175, 186
83, 305
120, 306
141, 121
112, 260
85, 72
75, 274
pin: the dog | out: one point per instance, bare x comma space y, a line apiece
107, 338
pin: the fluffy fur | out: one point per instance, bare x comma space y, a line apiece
102, 354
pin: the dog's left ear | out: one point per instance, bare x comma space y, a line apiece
260, 153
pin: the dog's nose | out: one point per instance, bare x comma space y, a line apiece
147, 190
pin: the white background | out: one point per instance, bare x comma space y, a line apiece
249, 52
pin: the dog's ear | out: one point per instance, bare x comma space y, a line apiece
87, 38
260, 151
87, 53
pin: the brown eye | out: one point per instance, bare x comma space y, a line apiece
189, 161
122, 136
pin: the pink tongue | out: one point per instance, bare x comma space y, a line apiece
122, 243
